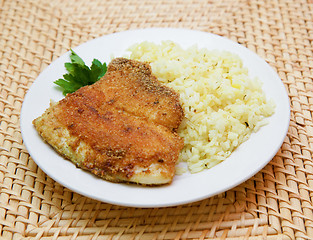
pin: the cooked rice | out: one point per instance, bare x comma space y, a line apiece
222, 104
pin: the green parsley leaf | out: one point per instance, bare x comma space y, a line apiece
76, 59
98, 69
79, 74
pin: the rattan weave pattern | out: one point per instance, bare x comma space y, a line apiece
277, 203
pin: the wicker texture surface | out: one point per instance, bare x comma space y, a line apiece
277, 203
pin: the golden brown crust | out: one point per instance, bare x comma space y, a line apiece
130, 85
117, 141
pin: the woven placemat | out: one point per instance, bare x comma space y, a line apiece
276, 203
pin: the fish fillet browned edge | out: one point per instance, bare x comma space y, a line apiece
122, 128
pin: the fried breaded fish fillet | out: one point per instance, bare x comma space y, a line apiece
122, 128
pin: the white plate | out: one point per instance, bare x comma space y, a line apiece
246, 161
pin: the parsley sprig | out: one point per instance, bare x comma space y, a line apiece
79, 74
